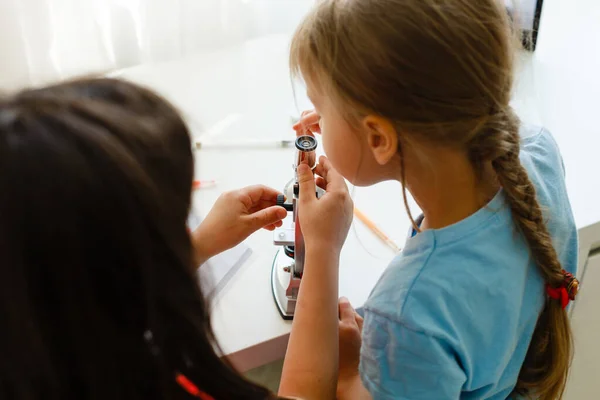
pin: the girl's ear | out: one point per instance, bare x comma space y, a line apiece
382, 138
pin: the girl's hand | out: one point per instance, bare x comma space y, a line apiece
325, 221
235, 216
308, 124
350, 331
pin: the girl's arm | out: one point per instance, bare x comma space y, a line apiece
310, 370
311, 361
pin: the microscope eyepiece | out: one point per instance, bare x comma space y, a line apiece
305, 151
306, 143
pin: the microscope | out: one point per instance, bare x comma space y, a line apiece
288, 264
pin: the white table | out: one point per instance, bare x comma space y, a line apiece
245, 92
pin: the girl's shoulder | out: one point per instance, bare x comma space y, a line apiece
540, 152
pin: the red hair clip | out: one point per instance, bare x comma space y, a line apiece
566, 292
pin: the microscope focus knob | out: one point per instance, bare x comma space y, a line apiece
281, 202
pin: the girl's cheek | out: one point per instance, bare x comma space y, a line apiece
334, 150
328, 148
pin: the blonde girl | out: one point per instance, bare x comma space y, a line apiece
418, 91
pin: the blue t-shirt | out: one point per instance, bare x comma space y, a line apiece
453, 315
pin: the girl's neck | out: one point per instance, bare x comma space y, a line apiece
448, 189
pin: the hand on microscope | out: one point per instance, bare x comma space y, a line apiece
324, 221
235, 216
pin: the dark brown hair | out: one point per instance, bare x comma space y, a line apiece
442, 71
98, 292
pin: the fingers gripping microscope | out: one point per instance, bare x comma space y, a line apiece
288, 264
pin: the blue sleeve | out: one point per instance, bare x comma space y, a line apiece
400, 363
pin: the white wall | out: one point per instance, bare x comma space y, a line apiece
46, 40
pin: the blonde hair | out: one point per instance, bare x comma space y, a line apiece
442, 71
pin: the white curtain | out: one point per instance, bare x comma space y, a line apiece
47, 40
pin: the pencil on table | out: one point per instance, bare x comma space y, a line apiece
203, 184
371, 225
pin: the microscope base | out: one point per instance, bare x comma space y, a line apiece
280, 281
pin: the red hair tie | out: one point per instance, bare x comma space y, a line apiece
192, 389
566, 292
